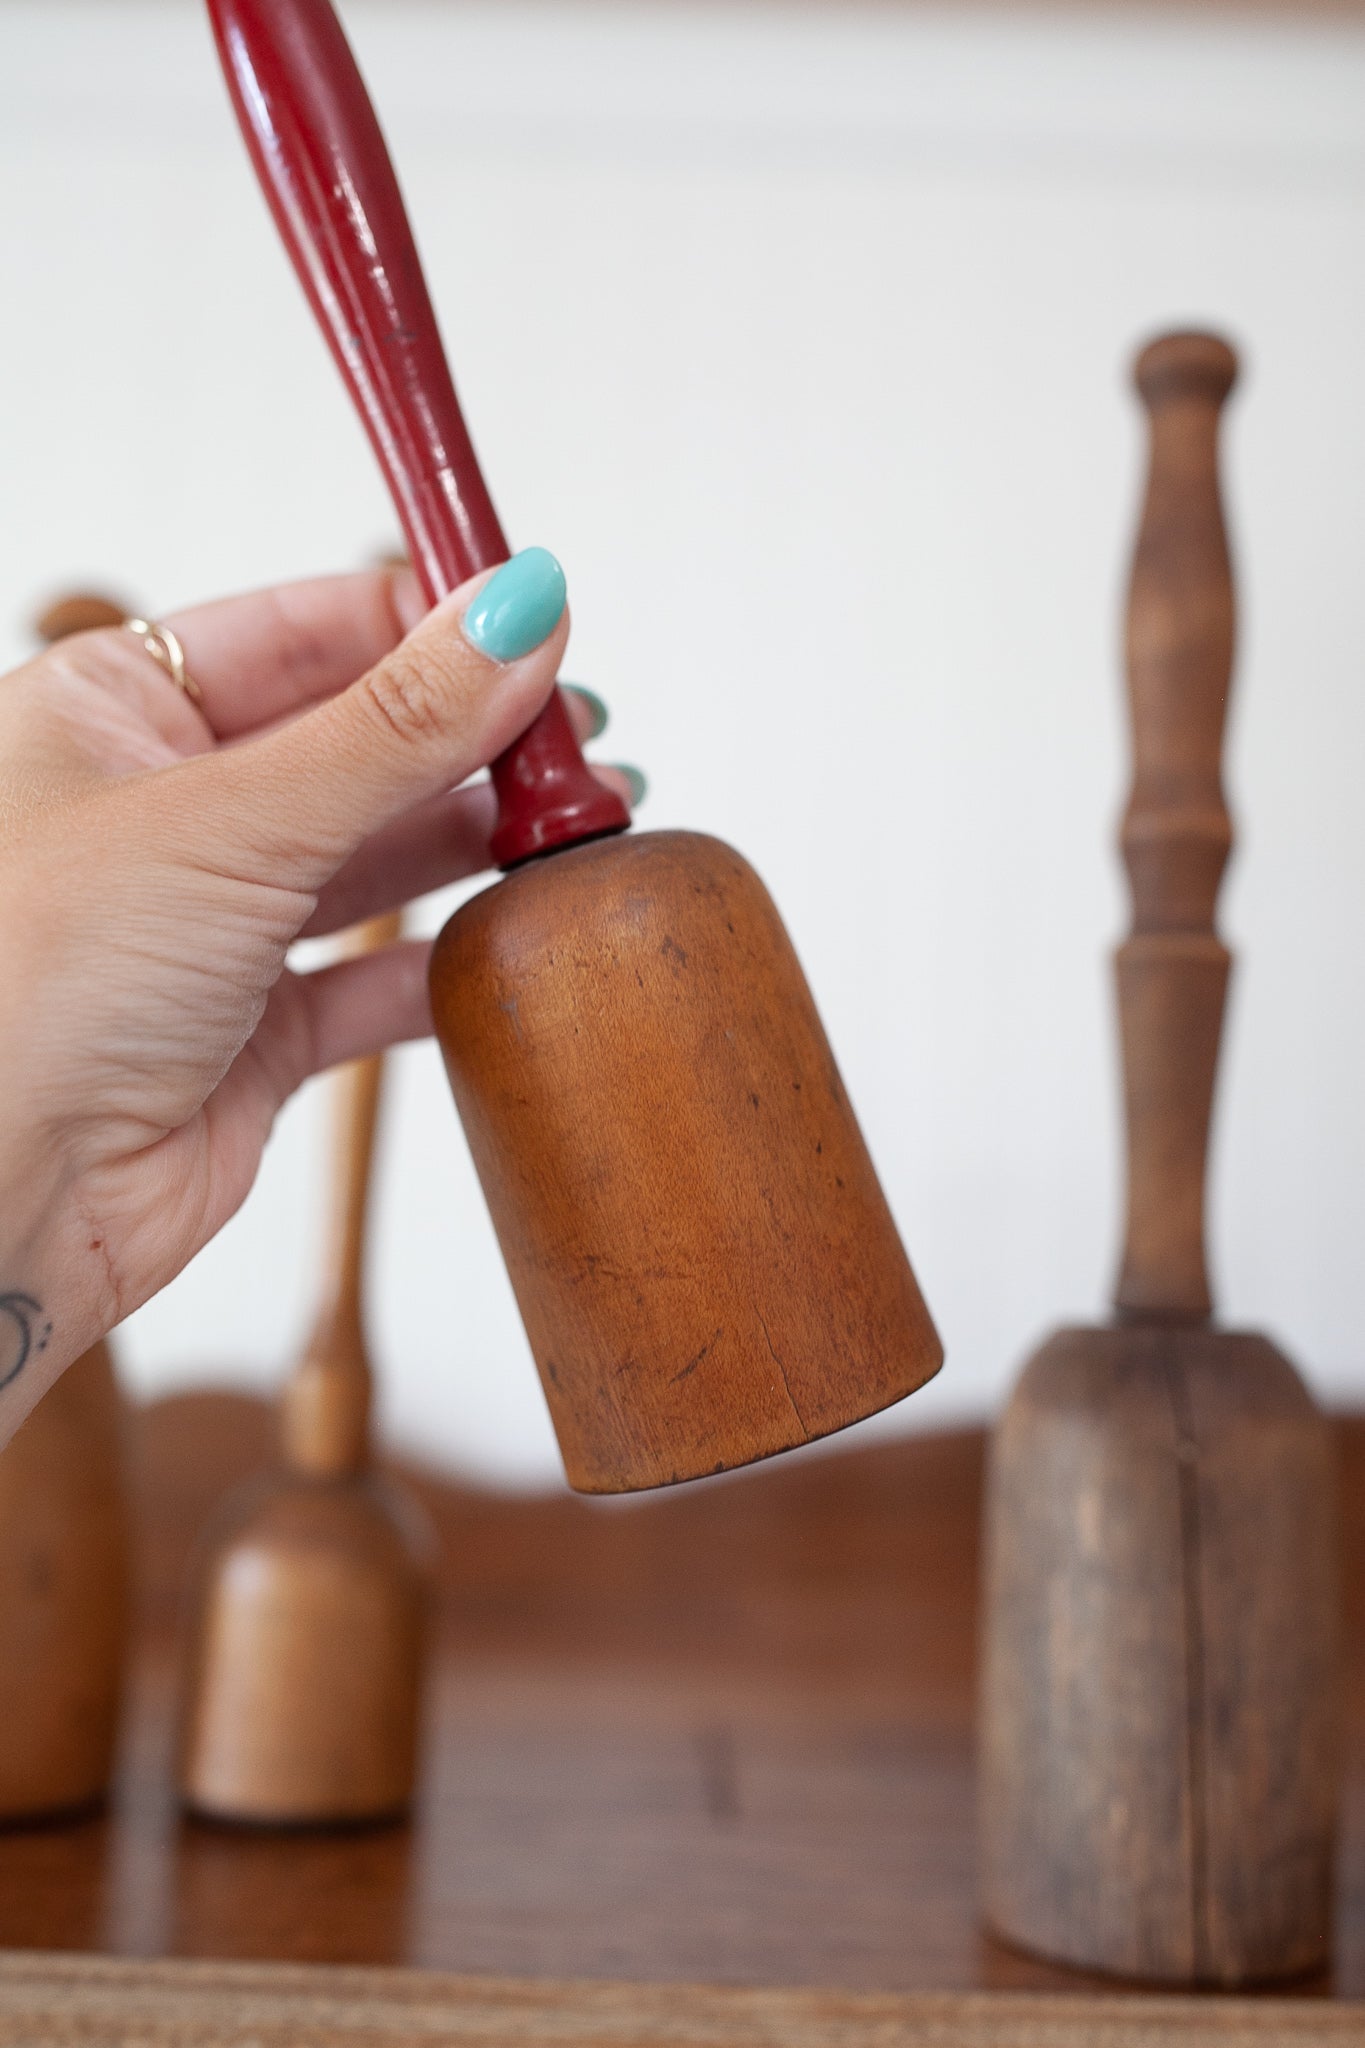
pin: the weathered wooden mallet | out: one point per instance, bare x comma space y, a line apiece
703, 1258
1159, 1705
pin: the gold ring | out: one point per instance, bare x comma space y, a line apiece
165, 649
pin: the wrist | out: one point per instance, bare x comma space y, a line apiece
50, 1312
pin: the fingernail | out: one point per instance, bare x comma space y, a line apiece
635, 782
597, 710
408, 600
518, 607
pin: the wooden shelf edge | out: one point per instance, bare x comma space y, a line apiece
68, 1999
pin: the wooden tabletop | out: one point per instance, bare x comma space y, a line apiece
94, 2002
720, 1735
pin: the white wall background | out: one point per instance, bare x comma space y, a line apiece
800, 333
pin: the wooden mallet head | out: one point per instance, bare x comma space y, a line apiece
705, 1263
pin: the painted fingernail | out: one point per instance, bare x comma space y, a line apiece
518, 607
597, 710
635, 782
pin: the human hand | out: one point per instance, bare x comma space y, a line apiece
158, 857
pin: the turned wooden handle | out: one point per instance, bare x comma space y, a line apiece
323, 165
1177, 834
327, 1401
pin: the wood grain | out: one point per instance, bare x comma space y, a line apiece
704, 1261
69, 2001
1160, 1717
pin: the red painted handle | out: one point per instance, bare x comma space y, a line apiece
323, 165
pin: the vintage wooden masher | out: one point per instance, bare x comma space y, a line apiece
1160, 1688
704, 1261
303, 1688
65, 1572
65, 1613
65, 1537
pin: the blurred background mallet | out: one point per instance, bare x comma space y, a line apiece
65, 1546
1160, 1690
303, 1690
705, 1263
79, 611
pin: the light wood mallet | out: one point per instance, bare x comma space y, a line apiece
65, 1573
78, 611
303, 1691
65, 1565
704, 1261
1160, 1691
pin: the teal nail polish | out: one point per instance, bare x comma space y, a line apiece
518, 607
597, 710
635, 782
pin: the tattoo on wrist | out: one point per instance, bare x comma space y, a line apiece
24, 1332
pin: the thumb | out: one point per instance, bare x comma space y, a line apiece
297, 802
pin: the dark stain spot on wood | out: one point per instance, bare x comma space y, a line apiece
596, 1266
692, 1363
672, 951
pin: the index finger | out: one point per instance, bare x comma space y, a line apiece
263, 656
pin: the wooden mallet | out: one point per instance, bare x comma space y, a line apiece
65, 1548
303, 1689
65, 1571
705, 1263
78, 611
1160, 1694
